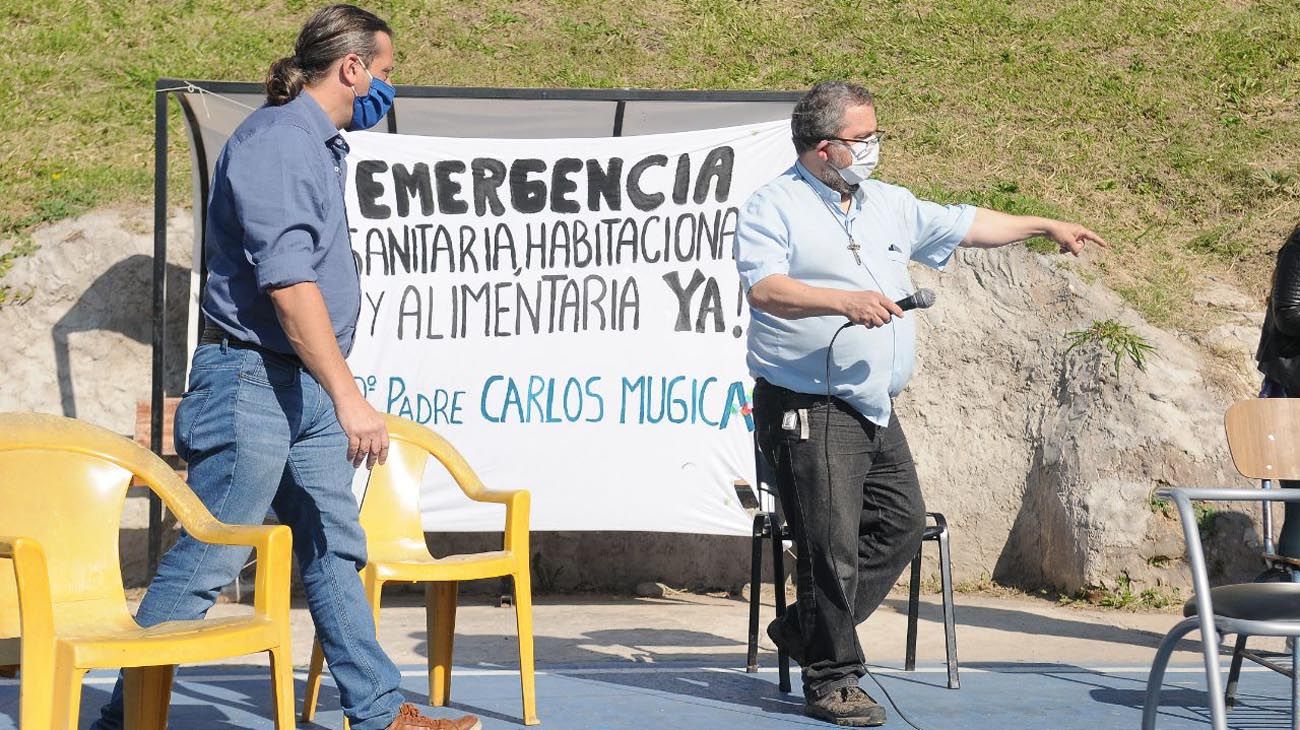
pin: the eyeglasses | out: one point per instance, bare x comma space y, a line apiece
873, 138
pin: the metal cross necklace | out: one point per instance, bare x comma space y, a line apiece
853, 246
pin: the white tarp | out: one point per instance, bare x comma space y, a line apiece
568, 314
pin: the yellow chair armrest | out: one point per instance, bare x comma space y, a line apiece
219, 533
518, 505
506, 497
516, 502
35, 608
273, 544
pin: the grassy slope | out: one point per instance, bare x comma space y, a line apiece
1169, 125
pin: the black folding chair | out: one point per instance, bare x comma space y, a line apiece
767, 525
770, 526
938, 532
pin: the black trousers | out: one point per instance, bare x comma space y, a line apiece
851, 497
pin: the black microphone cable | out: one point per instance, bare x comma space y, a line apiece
826, 451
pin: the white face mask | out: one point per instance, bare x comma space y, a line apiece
866, 155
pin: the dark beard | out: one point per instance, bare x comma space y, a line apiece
832, 180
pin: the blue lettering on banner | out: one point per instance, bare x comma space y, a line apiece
679, 399
543, 400
641, 400
438, 407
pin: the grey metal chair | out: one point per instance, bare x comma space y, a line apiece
1274, 562
1264, 438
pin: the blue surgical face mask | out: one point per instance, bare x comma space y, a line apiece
369, 109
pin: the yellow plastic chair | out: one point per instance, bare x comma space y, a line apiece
390, 515
62, 607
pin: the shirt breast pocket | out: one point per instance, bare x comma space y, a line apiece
896, 259
896, 254
896, 267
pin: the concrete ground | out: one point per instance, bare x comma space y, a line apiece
678, 662
583, 630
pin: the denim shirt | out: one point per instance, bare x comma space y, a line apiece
276, 217
794, 226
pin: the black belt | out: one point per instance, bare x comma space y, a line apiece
792, 398
214, 335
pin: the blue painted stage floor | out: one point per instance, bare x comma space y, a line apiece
992, 697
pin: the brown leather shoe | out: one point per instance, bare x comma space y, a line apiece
409, 718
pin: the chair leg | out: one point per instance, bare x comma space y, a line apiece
66, 708
778, 581
36, 706
1210, 640
374, 589
36, 697
440, 615
282, 684
949, 610
1234, 674
913, 609
311, 696
524, 624
1295, 684
755, 589
147, 692
1156, 678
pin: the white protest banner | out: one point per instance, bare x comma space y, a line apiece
567, 313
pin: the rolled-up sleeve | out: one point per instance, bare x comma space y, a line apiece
762, 245
279, 198
937, 230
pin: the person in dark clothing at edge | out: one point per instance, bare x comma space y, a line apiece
1279, 360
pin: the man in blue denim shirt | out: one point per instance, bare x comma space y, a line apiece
272, 418
820, 246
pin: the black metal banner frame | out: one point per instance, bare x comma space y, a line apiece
166, 86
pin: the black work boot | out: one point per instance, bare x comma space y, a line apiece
787, 638
847, 706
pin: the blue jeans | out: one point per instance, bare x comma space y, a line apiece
260, 433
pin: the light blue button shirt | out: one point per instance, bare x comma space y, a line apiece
793, 225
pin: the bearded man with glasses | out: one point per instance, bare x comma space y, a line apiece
820, 245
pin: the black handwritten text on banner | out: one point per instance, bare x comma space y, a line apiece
567, 313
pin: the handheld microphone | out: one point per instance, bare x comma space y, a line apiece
921, 299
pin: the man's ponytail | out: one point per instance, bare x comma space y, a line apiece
284, 81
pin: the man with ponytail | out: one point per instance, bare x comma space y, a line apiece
272, 419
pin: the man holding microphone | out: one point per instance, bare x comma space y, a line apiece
820, 246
